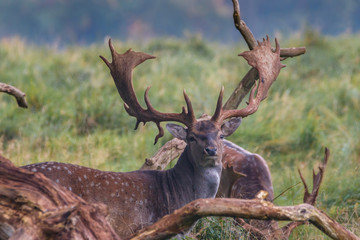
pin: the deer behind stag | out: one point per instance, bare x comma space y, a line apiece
137, 199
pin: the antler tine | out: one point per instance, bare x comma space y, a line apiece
121, 69
218, 109
268, 65
190, 110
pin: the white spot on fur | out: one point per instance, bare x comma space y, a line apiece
112, 195
85, 176
70, 188
92, 184
69, 172
34, 170
49, 168
79, 178
57, 180
107, 182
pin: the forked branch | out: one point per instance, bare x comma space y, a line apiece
248, 81
309, 198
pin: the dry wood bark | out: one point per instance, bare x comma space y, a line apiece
34, 207
13, 91
182, 219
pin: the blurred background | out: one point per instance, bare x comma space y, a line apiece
49, 49
89, 21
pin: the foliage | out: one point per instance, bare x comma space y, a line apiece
76, 115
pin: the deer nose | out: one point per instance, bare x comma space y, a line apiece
211, 151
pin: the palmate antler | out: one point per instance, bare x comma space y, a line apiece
268, 65
121, 70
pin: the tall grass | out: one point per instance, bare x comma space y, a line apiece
76, 115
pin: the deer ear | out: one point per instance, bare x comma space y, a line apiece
177, 131
230, 126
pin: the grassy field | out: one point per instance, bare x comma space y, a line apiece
76, 115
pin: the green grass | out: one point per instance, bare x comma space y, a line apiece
76, 115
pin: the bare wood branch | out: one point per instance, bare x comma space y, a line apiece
13, 91
292, 52
309, 198
171, 150
242, 90
34, 207
239, 93
182, 219
242, 27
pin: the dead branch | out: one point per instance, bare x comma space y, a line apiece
34, 207
309, 198
171, 150
13, 91
182, 219
242, 89
249, 80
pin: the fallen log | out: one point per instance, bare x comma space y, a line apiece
182, 219
34, 207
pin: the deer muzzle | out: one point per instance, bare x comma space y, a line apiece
210, 151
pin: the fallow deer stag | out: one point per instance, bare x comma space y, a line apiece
137, 199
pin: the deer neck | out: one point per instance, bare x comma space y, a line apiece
197, 181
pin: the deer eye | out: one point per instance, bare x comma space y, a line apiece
222, 136
192, 139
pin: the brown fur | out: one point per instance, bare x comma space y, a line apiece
245, 174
